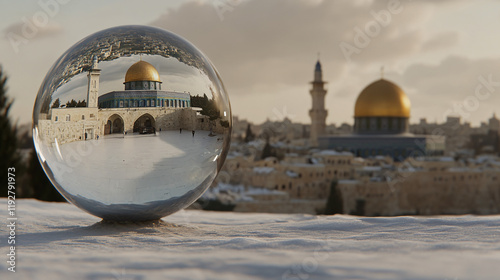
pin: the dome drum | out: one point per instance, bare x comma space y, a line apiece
381, 125
142, 85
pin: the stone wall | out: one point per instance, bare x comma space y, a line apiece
77, 124
69, 124
426, 193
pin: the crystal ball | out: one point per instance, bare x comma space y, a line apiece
132, 123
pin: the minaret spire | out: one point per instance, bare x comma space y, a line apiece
317, 113
318, 73
93, 84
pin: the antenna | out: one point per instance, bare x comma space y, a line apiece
382, 72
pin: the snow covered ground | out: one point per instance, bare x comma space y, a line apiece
59, 241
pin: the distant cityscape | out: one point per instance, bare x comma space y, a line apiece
270, 168
279, 167
381, 165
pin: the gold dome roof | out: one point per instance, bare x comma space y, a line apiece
142, 71
382, 99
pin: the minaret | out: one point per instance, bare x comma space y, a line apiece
317, 113
93, 86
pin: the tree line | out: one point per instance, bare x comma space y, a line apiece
69, 104
31, 180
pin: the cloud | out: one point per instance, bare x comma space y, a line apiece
441, 41
451, 83
270, 42
262, 46
28, 30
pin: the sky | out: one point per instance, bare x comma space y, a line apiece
444, 54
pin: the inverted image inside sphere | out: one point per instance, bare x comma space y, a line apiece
132, 123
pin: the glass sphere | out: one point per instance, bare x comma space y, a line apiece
132, 123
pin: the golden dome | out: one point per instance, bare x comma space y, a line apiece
382, 99
142, 71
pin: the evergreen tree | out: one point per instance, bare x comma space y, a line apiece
224, 123
71, 103
249, 136
9, 155
56, 103
334, 204
41, 187
82, 103
208, 106
268, 151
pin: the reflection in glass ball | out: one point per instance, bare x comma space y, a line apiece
132, 123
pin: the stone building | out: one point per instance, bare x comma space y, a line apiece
381, 127
141, 107
297, 184
425, 186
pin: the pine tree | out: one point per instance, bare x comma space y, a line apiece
268, 151
56, 103
9, 155
249, 136
71, 103
82, 103
41, 187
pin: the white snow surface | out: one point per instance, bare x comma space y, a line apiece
58, 241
